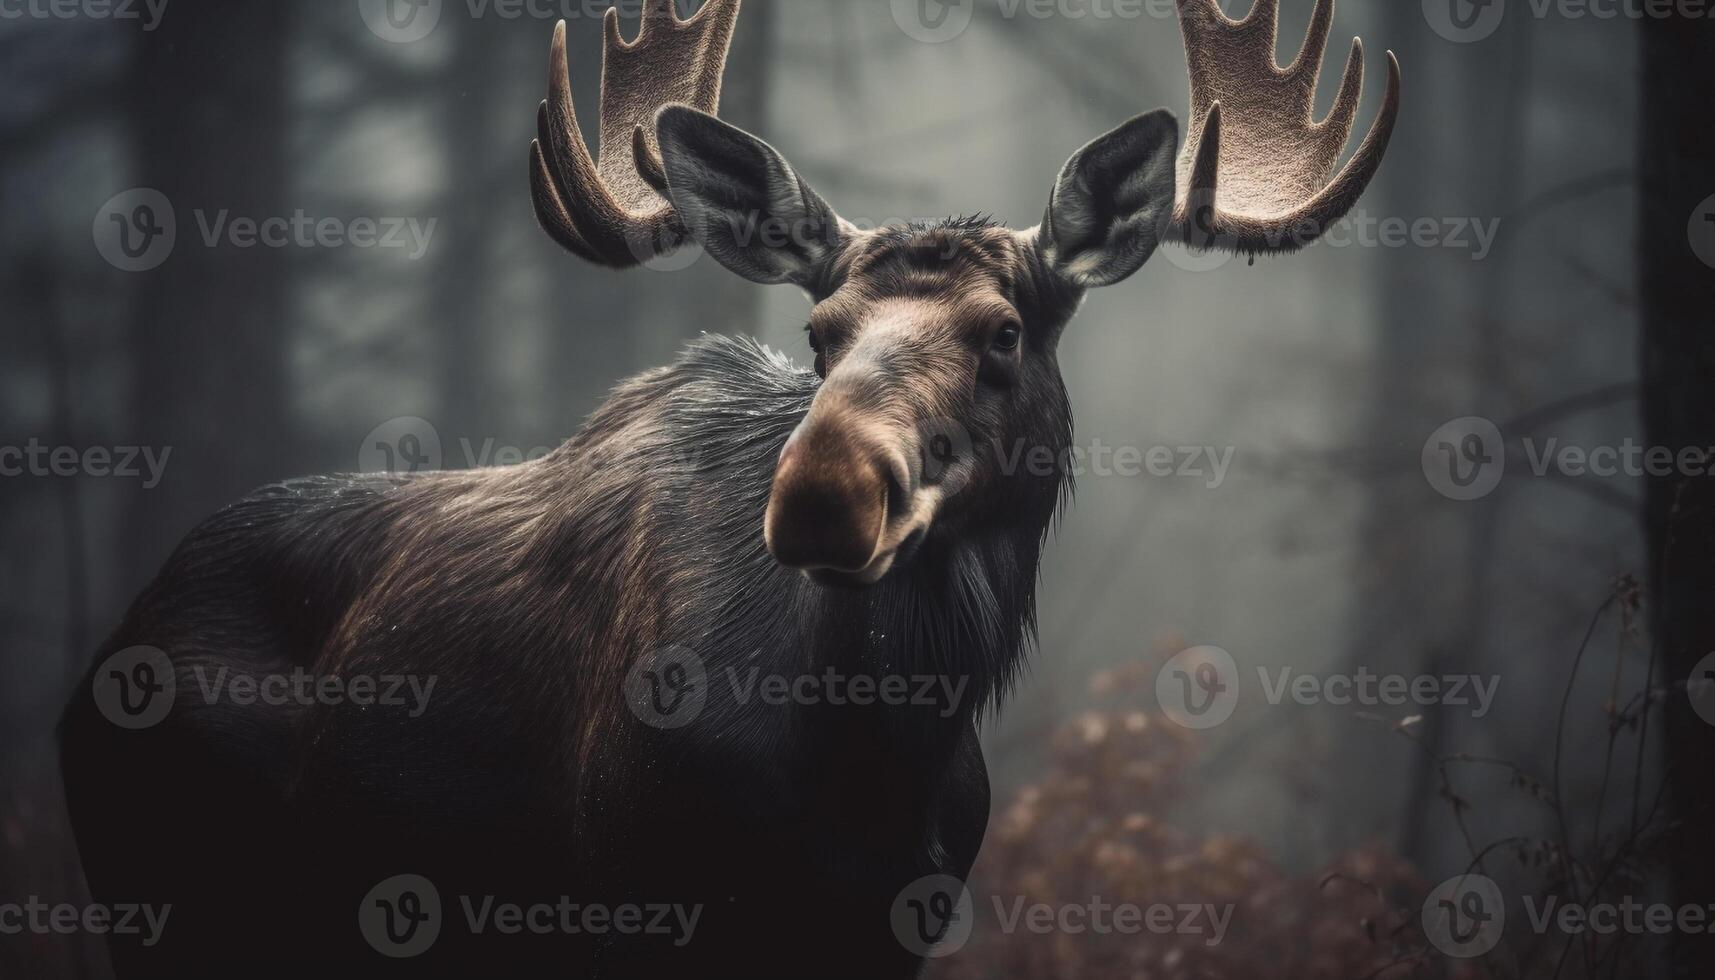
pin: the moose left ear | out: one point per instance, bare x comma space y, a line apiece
1113, 202
741, 200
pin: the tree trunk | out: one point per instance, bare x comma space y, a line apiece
206, 109
1677, 166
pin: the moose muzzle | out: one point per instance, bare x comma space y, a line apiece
842, 500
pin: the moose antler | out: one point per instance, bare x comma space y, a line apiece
1254, 172
612, 212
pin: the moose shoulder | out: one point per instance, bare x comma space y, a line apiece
698, 692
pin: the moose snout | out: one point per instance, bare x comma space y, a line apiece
835, 495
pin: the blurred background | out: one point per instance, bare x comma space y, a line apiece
1538, 223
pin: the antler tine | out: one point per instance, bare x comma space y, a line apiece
611, 209
1264, 19
1254, 175
1309, 60
1344, 112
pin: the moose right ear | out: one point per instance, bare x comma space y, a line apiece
740, 199
1113, 202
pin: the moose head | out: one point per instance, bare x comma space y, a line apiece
938, 336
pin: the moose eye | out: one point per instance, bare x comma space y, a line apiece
1008, 337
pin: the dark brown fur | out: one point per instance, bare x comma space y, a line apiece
529, 593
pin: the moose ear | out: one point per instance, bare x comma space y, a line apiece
741, 200
1113, 202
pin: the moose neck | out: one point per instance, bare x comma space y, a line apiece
948, 632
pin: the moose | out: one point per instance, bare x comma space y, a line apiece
728, 514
